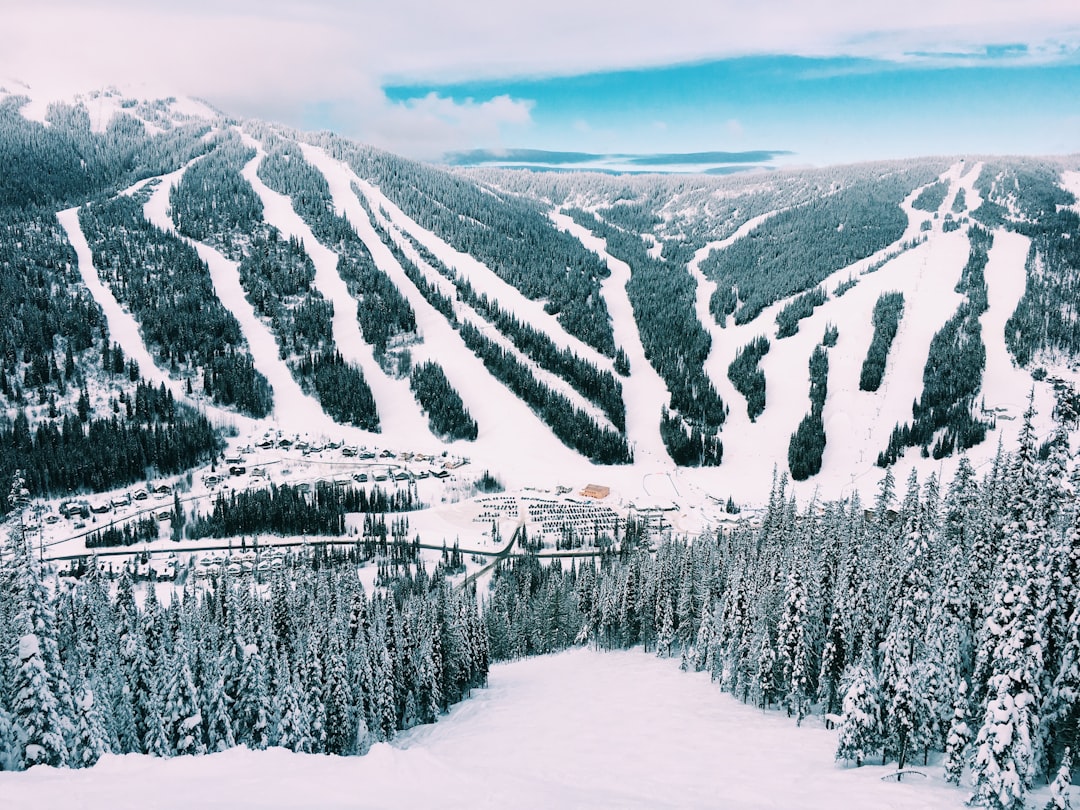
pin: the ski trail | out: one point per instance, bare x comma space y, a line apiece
124, 329
508, 429
1070, 181
483, 280
715, 368
644, 391
293, 410
399, 415
1005, 386
467, 313
954, 176
972, 198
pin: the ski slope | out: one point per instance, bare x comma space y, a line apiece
644, 392
394, 414
124, 329
578, 729
523, 450
509, 431
483, 280
293, 410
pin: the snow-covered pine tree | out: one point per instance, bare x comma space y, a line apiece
1059, 789
860, 732
181, 717
91, 740
294, 730
832, 667
1007, 747
666, 635
340, 731
39, 729
958, 737
251, 712
794, 647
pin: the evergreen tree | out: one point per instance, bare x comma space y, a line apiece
860, 724
959, 737
182, 718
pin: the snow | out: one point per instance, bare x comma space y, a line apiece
29, 646
1070, 181
644, 392
396, 415
524, 452
483, 280
293, 409
103, 104
509, 431
124, 329
1005, 385
703, 295
578, 729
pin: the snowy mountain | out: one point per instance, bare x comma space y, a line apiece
310, 436
601, 327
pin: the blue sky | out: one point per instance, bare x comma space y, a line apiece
823, 110
830, 80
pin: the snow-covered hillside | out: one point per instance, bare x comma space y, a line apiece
579, 729
924, 262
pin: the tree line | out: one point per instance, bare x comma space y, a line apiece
287, 509
888, 311
808, 441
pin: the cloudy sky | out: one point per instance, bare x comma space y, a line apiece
827, 81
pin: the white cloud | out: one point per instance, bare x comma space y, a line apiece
274, 58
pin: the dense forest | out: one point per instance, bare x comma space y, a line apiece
442, 404
317, 665
151, 435
808, 441
65, 162
888, 311
296, 510
798, 248
573, 427
802, 306
746, 375
931, 197
35, 262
